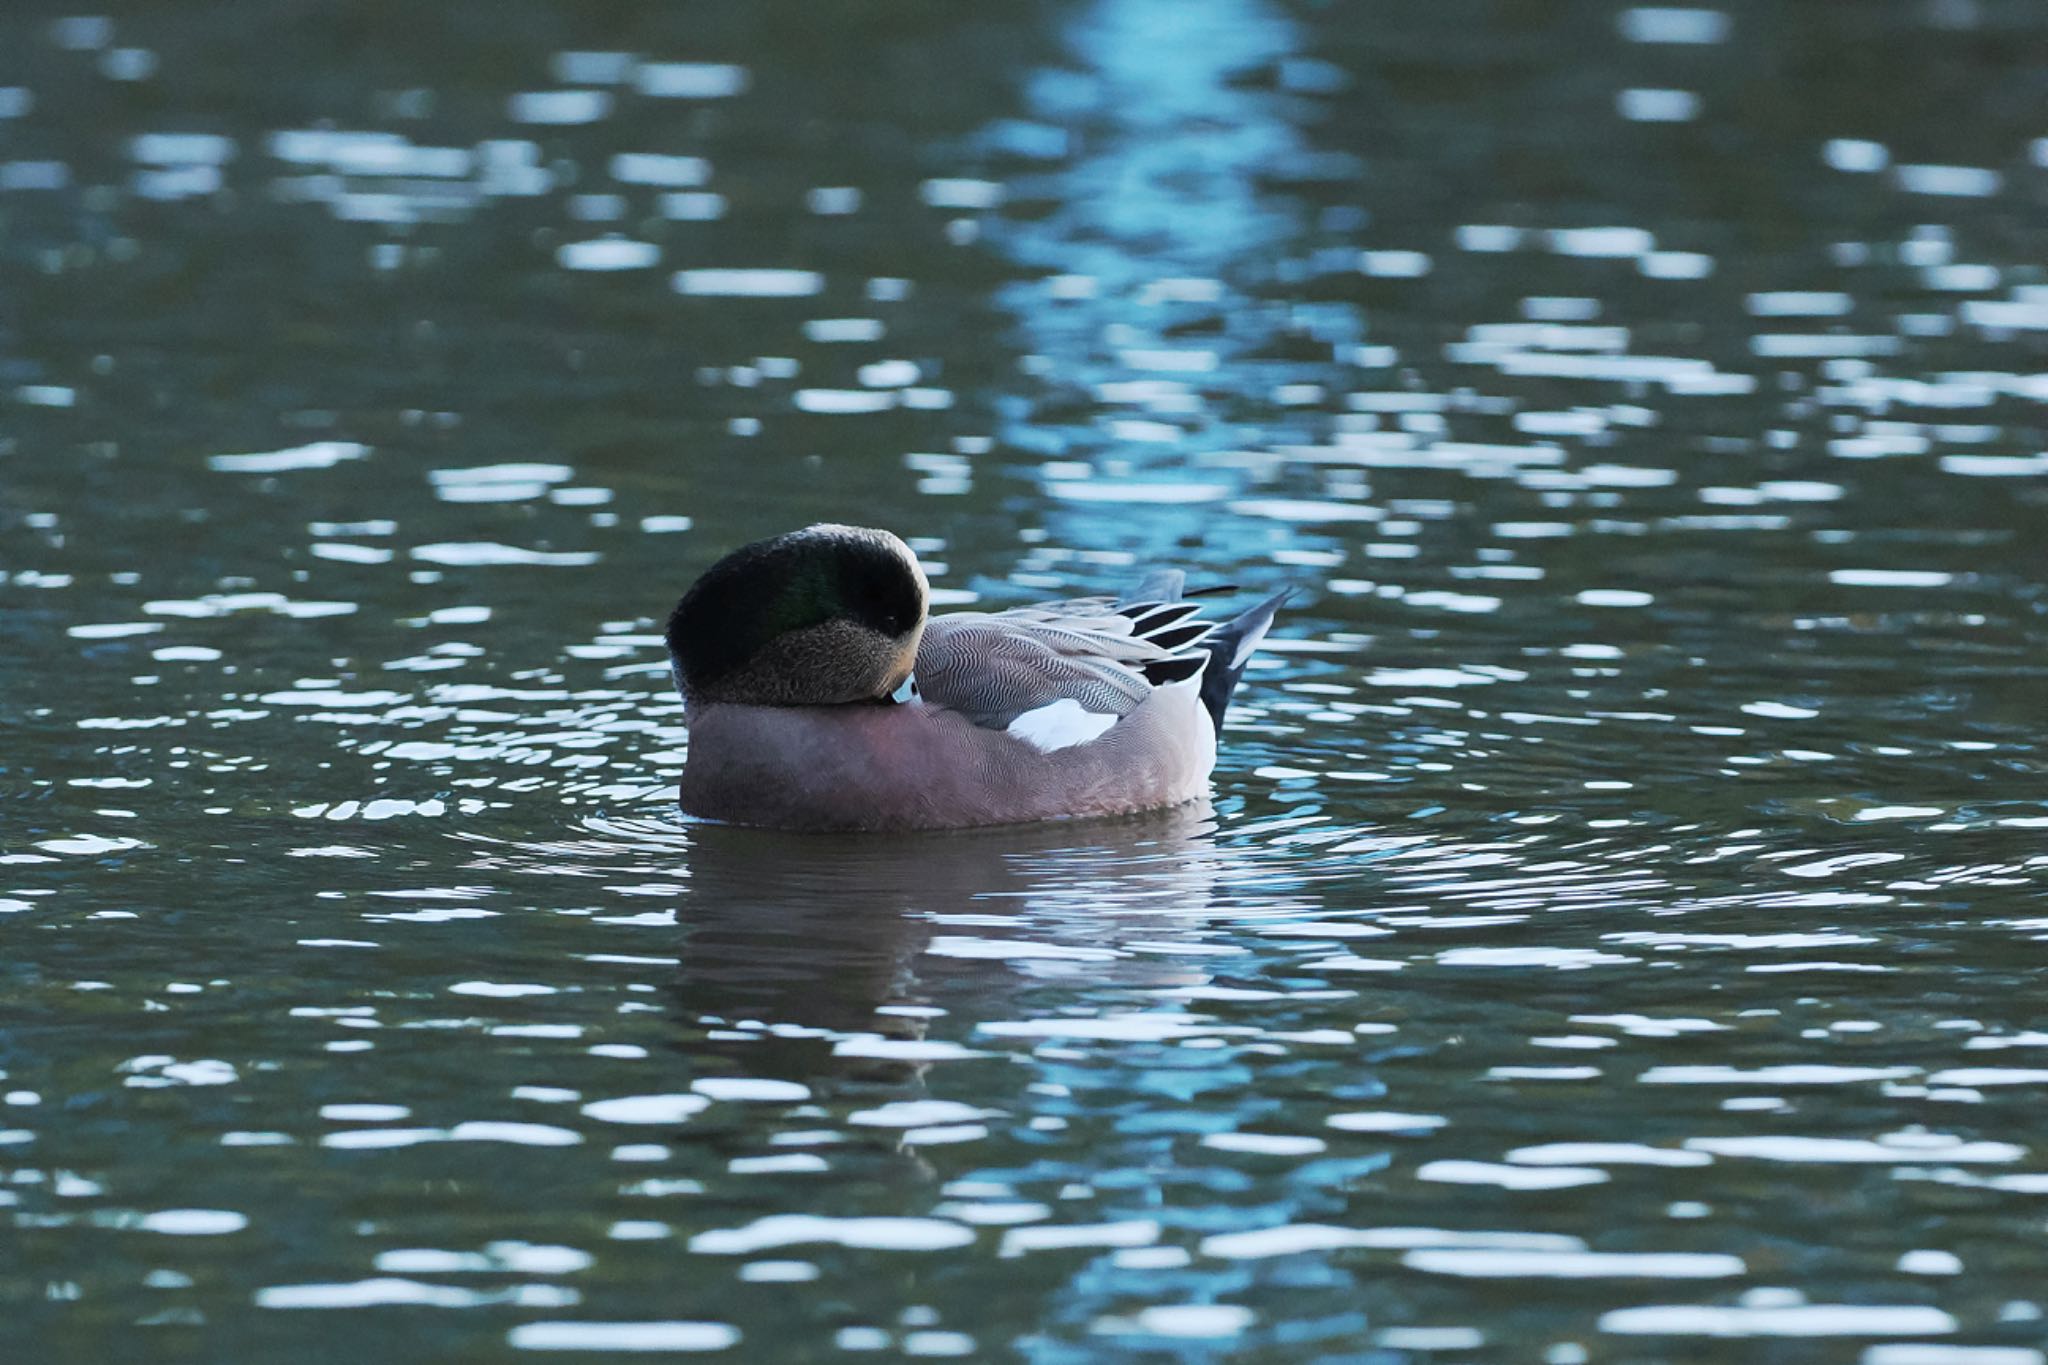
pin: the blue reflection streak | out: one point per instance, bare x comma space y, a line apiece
1166, 146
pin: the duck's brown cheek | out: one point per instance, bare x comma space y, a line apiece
906, 655
897, 685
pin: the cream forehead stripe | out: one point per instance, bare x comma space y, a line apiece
1059, 725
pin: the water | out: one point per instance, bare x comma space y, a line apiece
1615, 930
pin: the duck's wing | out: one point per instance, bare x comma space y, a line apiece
1059, 668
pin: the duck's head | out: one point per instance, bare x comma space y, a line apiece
817, 617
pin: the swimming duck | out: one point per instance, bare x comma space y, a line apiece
820, 694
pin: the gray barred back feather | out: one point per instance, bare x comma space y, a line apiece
1105, 653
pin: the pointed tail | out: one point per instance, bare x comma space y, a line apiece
1230, 650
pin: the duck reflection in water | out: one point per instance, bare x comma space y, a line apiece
800, 947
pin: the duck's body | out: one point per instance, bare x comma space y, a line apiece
788, 651
921, 766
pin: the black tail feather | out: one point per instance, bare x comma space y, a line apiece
1180, 636
1230, 650
1181, 667
1159, 616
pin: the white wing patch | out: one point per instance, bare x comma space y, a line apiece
1059, 725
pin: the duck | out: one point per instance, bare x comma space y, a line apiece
821, 694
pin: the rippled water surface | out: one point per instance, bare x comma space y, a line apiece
1617, 933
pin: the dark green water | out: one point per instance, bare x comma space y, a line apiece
1617, 934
